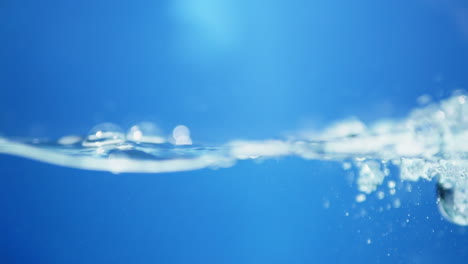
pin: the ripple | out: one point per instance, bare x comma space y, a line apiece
432, 142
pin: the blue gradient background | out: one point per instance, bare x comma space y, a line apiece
228, 70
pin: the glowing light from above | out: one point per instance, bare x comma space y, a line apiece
208, 24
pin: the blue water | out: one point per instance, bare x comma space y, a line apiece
228, 70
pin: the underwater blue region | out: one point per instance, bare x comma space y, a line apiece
233, 131
272, 213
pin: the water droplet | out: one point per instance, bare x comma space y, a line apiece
104, 134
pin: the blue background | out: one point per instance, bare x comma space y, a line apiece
227, 69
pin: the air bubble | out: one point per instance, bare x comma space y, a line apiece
380, 195
104, 134
453, 199
360, 198
145, 132
181, 135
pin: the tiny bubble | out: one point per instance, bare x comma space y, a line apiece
360, 198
